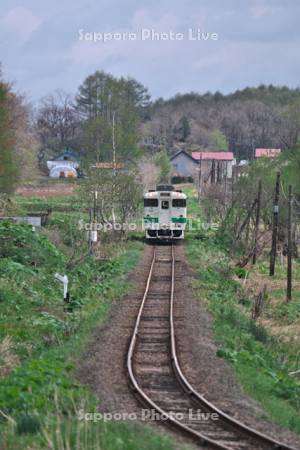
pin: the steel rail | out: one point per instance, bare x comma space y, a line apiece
201, 400
230, 423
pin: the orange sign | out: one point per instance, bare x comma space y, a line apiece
108, 165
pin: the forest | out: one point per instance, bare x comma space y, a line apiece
264, 116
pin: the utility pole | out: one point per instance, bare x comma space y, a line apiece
275, 226
213, 172
218, 173
114, 166
113, 142
257, 219
95, 205
200, 176
90, 234
225, 186
290, 249
232, 188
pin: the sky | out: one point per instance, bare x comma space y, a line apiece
171, 46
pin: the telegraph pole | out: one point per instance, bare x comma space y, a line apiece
290, 249
275, 226
200, 176
218, 173
213, 172
257, 219
225, 187
95, 205
113, 142
114, 166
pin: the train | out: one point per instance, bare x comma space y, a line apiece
165, 213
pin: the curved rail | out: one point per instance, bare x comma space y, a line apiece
229, 423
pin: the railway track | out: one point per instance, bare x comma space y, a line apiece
158, 380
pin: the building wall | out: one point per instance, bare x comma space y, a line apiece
184, 166
206, 166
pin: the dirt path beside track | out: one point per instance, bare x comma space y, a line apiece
103, 367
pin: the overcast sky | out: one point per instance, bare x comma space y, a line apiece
256, 41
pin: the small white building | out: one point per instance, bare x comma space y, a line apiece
63, 166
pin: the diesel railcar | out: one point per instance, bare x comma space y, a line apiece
164, 213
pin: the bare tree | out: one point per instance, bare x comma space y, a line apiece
57, 124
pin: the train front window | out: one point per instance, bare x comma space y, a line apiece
150, 202
179, 202
165, 204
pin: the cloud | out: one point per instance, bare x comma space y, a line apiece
252, 34
21, 22
87, 52
260, 10
143, 18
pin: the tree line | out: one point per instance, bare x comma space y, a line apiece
106, 108
84, 122
18, 143
266, 116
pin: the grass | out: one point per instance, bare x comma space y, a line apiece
262, 362
42, 339
60, 433
43, 204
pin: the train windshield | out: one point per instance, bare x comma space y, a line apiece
179, 202
165, 204
150, 202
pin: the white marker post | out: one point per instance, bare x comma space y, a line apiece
65, 281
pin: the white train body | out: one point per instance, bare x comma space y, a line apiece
164, 213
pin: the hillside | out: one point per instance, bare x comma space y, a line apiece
265, 116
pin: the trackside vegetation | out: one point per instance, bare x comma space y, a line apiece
42, 338
263, 362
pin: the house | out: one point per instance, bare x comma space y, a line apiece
188, 166
222, 162
64, 165
267, 152
184, 165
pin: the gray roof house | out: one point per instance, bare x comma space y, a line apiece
184, 165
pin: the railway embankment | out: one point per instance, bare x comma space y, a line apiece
260, 346
44, 339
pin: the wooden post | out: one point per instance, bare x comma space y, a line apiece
200, 176
213, 172
95, 205
247, 231
289, 249
90, 235
225, 187
218, 173
275, 226
257, 219
246, 220
232, 189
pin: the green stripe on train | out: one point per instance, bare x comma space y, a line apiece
150, 219
178, 219
174, 219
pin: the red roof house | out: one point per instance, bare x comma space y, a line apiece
217, 156
267, 152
